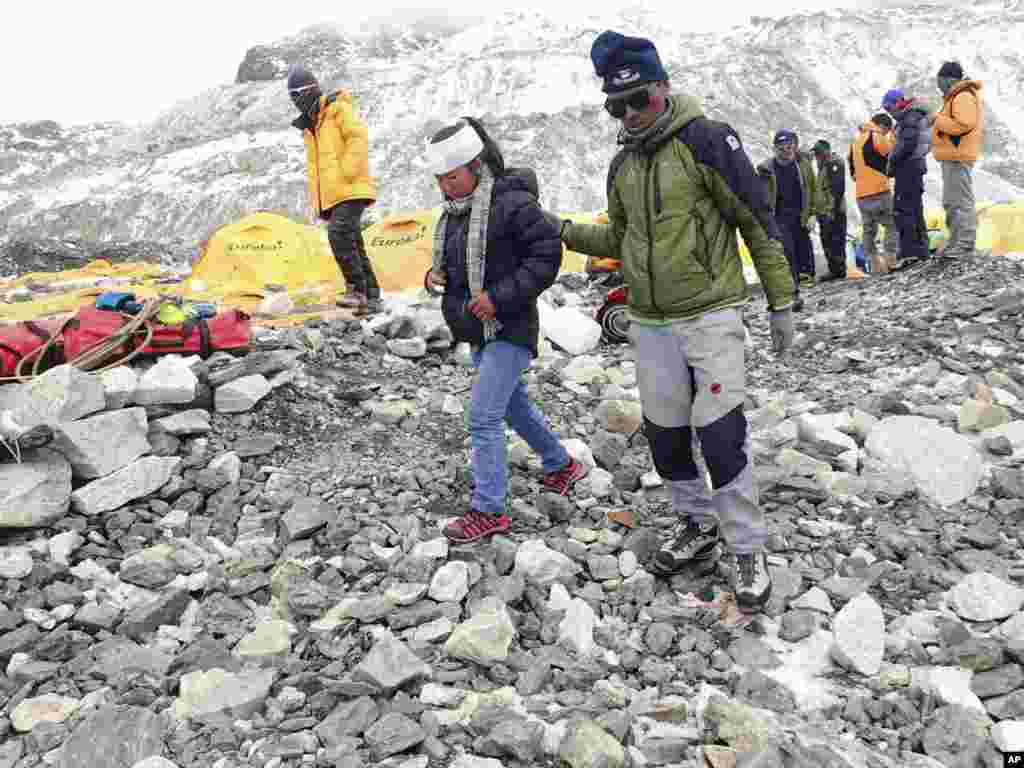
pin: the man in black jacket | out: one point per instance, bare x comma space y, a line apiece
832, 229
908, 165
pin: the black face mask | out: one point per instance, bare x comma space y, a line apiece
638, 102
306, 99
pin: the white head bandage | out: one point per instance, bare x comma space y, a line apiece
458, 149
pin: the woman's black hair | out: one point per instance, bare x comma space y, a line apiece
491, 154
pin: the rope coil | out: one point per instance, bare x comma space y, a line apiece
97, 357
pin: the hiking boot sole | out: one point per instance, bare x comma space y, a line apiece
752, 604
459, 540
697, 568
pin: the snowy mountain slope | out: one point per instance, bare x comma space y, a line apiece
230, 149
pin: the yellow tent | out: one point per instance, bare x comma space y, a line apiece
400, 248
266, 251
1000, 226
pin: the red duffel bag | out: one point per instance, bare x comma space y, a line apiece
228, 331
21, 340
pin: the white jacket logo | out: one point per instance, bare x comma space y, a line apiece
624, 76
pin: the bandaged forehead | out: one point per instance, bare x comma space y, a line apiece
458, 149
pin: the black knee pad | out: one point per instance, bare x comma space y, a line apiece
722, 443
672, 449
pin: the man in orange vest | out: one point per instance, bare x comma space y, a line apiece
958, 131
340, 184
866, 159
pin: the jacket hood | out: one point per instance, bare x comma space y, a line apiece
517, 180
964, 85
305, 122
685, 110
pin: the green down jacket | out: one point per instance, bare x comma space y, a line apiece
674, 207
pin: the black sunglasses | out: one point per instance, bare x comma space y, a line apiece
638, 102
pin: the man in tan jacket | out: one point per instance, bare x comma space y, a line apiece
958, 131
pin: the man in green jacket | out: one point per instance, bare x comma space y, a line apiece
677, 193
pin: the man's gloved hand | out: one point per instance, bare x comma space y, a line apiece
781, 323
556, 221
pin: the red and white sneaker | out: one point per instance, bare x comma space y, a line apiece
474, 526
563, 480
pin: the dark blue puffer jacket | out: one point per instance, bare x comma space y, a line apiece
913, 140
524, 254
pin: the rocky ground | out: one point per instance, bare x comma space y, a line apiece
239, 562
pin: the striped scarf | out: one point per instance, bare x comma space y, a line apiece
478, 205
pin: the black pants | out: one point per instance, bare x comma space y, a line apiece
833, 241
908, 210
796, 242
345, 234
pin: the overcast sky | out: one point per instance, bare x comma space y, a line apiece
128, 60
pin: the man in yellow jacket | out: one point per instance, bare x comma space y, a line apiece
867, 159
958, 131
340, 184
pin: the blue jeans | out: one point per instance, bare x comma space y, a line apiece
499, 394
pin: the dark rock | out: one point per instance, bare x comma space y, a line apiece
114, 737
166, 609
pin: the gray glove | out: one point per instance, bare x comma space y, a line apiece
556, 221
781, 323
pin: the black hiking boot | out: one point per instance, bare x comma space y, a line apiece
689, 546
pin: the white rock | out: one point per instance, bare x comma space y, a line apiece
585, 369
436, 549
821, 430
64, 393
601, 482
814, 599
628, 563
102, 444
192, 422
621, 416
63, 544
408, 348
576, 629
859, 633
229, 464
950, 685
485, 637
139, 478
168, 382
241, 395
36, 492
539, 564
945, 467
48, 708
119, 385
984, 597
441, 695
569, 328
15, 562
155, 761
450, 582
1008, 735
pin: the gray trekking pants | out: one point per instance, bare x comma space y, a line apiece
958, 200
692, 378
876, 211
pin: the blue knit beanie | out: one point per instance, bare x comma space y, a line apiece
625, 62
